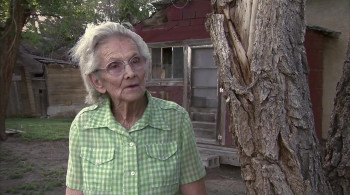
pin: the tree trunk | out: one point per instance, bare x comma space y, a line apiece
337, 159
10, 38
263, 70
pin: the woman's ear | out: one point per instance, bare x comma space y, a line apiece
97, 83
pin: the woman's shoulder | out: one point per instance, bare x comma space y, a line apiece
167, 105
88, 111
89, 115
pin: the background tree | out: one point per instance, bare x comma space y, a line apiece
262, 65
52, 24
12, 21
132, 11
337, 159
58, 24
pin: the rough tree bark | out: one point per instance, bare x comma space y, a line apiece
337, 161
262, 65
10, 37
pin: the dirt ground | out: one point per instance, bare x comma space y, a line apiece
39, 167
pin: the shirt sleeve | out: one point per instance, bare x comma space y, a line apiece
74, 179
192, 168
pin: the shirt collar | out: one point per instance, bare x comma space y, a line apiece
153, 116
103, 117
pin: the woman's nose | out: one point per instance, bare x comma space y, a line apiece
129, 72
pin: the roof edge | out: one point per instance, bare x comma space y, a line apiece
325, 31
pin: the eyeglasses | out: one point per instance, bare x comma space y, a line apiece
117, 67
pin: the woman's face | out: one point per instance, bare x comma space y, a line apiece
128, 86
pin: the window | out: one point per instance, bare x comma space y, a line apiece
167, 63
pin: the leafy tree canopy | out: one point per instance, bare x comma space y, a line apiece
57, 23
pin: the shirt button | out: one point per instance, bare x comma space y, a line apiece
131, 144
132, 173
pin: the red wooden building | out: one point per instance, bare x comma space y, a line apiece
183, 69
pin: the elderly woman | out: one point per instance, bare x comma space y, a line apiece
127, 142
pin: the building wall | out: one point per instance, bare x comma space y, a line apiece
171, 93
173, 24
66, 92
334, 15
314, 45
18, 104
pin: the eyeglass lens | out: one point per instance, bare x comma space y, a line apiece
118, 67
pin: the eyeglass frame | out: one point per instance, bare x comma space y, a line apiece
125, 63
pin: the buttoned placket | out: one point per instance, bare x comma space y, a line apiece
130, 177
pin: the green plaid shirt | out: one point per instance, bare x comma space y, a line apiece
156, 156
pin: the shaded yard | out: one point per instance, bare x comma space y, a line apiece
35, 161
33, 167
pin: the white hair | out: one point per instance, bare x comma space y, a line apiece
84, 52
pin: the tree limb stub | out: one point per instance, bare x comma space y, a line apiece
241, 53
223, 53
251, 35
230, 82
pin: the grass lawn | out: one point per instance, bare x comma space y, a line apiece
34, 161
41, 128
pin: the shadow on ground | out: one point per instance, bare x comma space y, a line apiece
39, 167
224, 180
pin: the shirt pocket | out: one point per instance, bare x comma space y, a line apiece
164, 161
97, 167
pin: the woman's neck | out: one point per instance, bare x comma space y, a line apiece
128, 113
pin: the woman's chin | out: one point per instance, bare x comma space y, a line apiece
132, 94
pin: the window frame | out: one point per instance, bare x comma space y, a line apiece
186, 45
161, 63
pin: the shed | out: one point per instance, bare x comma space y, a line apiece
65, 88
27, 96
45, 87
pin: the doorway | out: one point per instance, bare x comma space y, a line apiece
204, 95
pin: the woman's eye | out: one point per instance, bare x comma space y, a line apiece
135, 60
114, 65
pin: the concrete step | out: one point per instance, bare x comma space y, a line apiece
204, 133
210, 160
204, 125
205, 110
209, 141
203, 116
226, 155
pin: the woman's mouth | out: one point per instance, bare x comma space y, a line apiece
132, 86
